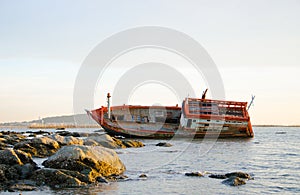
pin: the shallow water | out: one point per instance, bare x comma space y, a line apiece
272, 158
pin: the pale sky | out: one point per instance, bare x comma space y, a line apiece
254, 43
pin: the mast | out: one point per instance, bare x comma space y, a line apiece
108, 105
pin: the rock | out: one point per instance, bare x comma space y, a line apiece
9, 157
14, 157
20, 162
92, 161
39, 147
143, 176
90, 142
40, 132
12, 138
67, 133
106, 141
58, 178
24, 157
197, 174
132, 143
83, 134
232, 174
3, 145
217, 176
8, 173
164, 144
66, 140
238, 174
21, 187
15, 165
101, 179
26, 170
115, 177
234, 181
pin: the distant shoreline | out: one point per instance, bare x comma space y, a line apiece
50, 126
67, 126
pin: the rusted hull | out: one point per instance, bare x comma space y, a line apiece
163, 131
197, 118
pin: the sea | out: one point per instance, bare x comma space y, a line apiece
272, 158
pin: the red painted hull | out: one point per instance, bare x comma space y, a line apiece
171, 122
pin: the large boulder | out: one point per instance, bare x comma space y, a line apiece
66, 140
39, 147
92, 161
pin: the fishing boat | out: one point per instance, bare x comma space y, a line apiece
197, 118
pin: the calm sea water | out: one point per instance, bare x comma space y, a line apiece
272, 158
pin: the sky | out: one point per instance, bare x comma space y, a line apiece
255, 45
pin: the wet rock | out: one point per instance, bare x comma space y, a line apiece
14, 157
115, 177
66, 140
40, 132
9, 157
58, 178
13, 168
238, 174
3, 147
143, 176
234, 181
67, 133
39, 147
26, 170
101, 179
232, 174
21, 187
195, 174
15, 165
12, 138
217, 176
132, 143
164, 144
8, 173
92, 161
120, 177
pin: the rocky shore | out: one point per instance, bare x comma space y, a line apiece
73, 159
